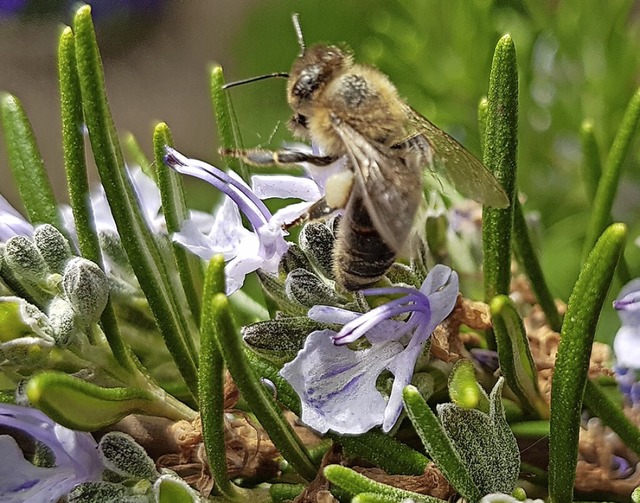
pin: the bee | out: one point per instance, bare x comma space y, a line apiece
354, 111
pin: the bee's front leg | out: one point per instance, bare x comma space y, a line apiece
283, 157
320, 210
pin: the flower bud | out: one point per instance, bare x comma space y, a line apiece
53, 247
97, 492
317, 240
275, 289
113, 251
87, 289
309, 290
26, 337
24, 260
293, 259
121, 454
63, 319
279, 339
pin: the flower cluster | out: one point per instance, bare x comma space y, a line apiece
338, 385
223, 233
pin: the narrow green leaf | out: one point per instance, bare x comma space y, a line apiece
78, 183
591, 165
80, 405
592, 172
73, 147
211, 383
281, 493
137, 240
355, 483
384, 452
572, 361
375, 498
528, 259
608, 186
464, 389
136, 154
500, 156
262, 403
175, 212
381, 450
516, 362
525, 429
228, 132
438, 444
483, 109
610, 413
26, 164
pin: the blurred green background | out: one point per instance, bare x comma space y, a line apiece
577, 61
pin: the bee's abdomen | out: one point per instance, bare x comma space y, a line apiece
360, 257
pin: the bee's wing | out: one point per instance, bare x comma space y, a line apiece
391, 189
468, 174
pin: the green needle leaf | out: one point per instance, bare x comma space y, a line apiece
591, 165
355, 483
528, 258
26, 164
464, 389
500, 156
606, 192
80, 405
254, 392
78, 183
602, 406
140, 245
211, 383
228, 132
572, 361
438, 444
516, 362
134, 151
374, 498
175, 212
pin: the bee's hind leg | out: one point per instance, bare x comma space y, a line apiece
283, 157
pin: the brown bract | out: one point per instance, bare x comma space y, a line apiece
250, 453
447, 341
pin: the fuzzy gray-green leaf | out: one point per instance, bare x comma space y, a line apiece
484, 442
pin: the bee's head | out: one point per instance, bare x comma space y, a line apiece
317, 66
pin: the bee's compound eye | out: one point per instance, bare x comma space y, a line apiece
308, 82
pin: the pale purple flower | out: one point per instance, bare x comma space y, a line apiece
76, 458
244, 250
337, 385
12, 223
627, 341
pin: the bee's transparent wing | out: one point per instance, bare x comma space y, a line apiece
470, 177
391, 189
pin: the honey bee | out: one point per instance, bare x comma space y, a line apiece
354, 111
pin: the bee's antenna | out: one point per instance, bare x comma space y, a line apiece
255, 79
296, 25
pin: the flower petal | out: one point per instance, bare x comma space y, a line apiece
12, 223
441, 286
337, 386
75, 455
627, 347
284, 187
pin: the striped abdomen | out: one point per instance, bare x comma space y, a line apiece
360, 256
